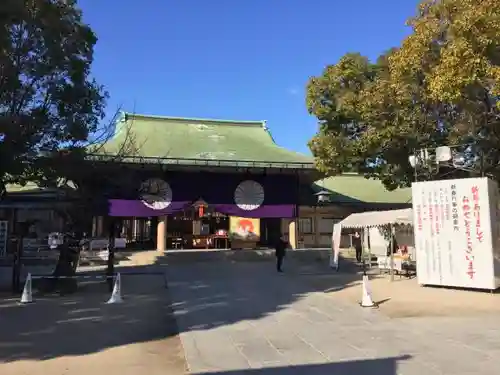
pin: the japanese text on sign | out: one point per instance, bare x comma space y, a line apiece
437, 213
431, 213
459, 243
454, 207
468, 234
477, 213
419, 217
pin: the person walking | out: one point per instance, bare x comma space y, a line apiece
356, 241
280, 247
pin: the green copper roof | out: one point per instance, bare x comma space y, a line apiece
141, 137
351, 187
30, 187
33, 188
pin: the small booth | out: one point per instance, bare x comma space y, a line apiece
388, 235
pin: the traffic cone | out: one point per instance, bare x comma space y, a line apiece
116, 295
366, 300
27, 296
334, 263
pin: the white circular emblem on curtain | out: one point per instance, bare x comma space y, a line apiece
249, 195
156, 194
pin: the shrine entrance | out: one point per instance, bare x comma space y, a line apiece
237, 211
198, 227
270, 232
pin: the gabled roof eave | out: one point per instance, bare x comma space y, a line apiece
128, 115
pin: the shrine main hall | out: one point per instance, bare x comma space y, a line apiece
203, 183
184, 183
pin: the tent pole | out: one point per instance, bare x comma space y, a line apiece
391, 246
362, 238
369, 247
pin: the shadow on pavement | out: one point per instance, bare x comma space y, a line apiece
81, 323
209, 295
380, 366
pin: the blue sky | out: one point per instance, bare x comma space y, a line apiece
233, 59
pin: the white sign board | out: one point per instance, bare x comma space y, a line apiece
456, 232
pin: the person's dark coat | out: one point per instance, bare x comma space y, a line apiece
395, 246
281, 247
356, 242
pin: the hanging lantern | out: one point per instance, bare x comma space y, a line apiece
201, 211
323, 196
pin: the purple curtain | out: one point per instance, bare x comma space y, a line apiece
136, 208
271, 210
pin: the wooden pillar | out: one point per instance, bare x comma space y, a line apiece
129, 230
98, 226
292, 233
316, 231
135, 229
161, 234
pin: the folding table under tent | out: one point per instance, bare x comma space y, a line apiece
369, 219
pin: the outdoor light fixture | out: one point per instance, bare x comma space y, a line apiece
443, 154
460, 157
420, 157
413, 160
323, 196
459, 160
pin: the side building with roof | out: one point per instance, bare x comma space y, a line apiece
347, 193
200, 183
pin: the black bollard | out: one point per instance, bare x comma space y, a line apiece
16, 266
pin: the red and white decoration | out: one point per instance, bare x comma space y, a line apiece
457, 232
249, 195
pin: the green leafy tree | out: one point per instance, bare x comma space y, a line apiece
49, 105
441, 86
48, 101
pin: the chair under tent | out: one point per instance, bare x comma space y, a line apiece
380, 229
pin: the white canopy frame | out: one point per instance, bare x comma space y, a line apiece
362, 220
378, 218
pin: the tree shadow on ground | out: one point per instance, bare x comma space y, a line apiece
379, 366
202, 293
207, 295
82, 323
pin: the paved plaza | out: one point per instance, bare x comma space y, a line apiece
236, 318
243, 318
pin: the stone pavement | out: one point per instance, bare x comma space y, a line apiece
243, 318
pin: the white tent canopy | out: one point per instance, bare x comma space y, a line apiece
367, 220
378, 218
